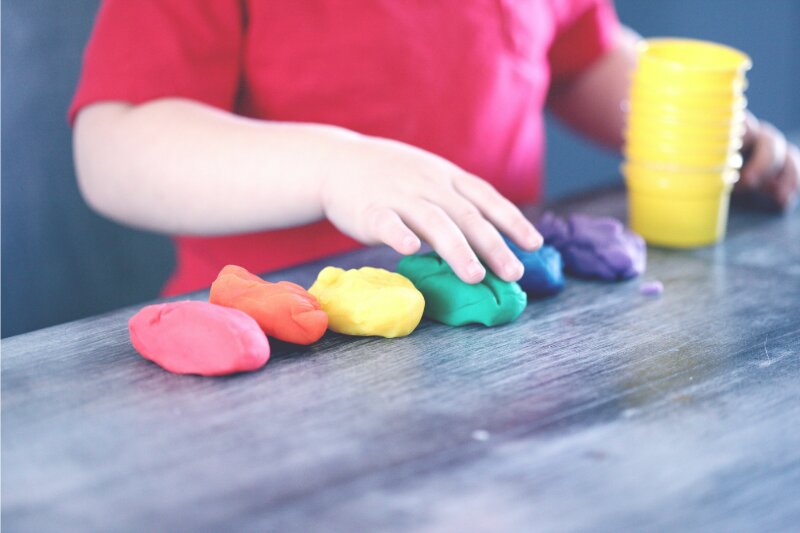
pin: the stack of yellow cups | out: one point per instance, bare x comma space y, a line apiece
683, 138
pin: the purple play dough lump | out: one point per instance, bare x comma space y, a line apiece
652, 288
595, 247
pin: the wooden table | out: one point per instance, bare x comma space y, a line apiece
598, 410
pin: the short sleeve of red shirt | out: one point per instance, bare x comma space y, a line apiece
141, 50
586, 30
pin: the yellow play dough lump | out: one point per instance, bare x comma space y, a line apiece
368, 301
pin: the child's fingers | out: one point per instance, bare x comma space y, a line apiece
499, 211
390, 229
483, 237
767, 157
438, 229
788, 181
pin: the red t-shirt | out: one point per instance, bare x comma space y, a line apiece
465, 79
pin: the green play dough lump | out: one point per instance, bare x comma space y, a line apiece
451, 301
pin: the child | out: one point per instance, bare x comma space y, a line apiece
269, 133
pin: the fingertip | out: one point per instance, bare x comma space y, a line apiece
511, 271
473, 273
538, 240
746, 179
530, 239
405, 246
411, 244
392, 231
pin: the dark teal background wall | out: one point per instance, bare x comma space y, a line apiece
61, 262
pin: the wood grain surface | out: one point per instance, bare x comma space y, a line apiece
598, 410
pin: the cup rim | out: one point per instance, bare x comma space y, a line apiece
666, 187
692, 90
667, 192
660, 127
682, 163
734, 161
653, 50
673, 119
736, 104
665, 147
730, 175
687, 118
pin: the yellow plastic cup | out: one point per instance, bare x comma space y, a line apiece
663, 143
688, 119
684, 180
651, 104
686, 97
643, 125
678, 210
649, 124
667, 157
684, 144
676, 60
696, 85
696, 82
678, 221
696, 142
686, 100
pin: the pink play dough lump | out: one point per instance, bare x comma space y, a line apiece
192, 337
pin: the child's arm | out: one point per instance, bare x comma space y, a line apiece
592, 103
178, 166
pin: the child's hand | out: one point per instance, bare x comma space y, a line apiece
772, 165
397, 194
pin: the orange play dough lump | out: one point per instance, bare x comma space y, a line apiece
283, 310
192, 337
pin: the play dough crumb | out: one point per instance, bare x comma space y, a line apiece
449, 300
368, 301
481, 435
652, 288
192, 337
283, 310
